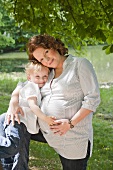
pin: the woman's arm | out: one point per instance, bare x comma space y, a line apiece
32, 101
14, 108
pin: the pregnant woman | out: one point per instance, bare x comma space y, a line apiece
71, 94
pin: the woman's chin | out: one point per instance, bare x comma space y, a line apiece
40, 85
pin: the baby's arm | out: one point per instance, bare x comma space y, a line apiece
14, 108
32, 101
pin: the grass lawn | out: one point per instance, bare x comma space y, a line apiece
42, 157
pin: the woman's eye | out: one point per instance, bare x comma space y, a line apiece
41, 60
46, 51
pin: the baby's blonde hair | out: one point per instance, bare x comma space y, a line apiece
33, 65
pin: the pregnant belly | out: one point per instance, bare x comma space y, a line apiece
53, 108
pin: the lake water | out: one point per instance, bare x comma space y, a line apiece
103, 64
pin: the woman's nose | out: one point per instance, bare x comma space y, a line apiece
46, 58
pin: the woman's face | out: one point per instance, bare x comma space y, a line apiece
48, 57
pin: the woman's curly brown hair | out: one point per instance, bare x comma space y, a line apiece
46, 42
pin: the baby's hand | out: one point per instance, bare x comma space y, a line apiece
50, 120
13, 114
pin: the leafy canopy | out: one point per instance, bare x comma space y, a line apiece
5, 38
76, 22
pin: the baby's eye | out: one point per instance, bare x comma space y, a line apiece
37, 76
45, 76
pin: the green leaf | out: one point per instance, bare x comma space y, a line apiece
111, 48
104, 47
110, 39
108, 50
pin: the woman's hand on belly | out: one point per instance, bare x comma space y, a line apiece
60, 127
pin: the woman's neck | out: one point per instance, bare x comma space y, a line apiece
59, 70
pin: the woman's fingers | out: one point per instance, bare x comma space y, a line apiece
60, 128
59, 132
56, 128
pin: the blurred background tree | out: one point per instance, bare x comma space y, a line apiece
12, 36
76, 22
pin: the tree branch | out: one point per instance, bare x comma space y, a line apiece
105, 12
71, 11
32, 10
82, 6
15, 7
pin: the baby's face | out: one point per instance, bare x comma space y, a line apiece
40, 77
